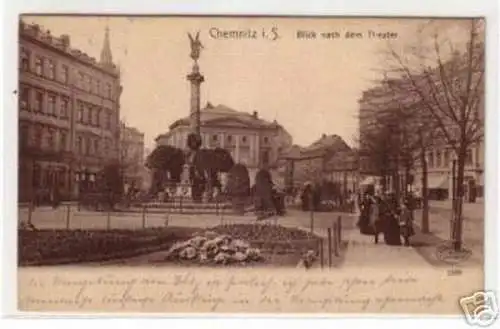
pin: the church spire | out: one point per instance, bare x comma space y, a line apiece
106, 57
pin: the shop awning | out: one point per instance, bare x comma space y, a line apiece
439, 182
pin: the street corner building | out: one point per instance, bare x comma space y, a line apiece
329, 158
69, 113
251, 140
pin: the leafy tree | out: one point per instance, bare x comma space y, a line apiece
163, 159
210, 162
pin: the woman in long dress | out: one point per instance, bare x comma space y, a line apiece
392, 235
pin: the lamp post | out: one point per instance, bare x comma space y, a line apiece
454, 195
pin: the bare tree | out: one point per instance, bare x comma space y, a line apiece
398, 135
447, 80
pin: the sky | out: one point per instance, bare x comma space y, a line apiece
310, 86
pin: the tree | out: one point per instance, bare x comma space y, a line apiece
211, 162
399, 134
447, 80
110, 183
238, 186
163, 159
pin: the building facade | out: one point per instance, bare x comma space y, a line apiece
68, 113
250, 140
314, 163
132, 155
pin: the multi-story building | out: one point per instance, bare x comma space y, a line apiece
68, 113
132, 155
249, 139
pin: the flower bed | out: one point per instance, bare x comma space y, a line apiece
238, 244
244, 244
51, 247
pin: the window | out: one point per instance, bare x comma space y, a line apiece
51, 139
84, 113
38, 65
244, 139
51, 69
431, 159
81, 80
79, 144
36, 176
229, 138
51, 105
108, 90
63, 140
88, 146
64, 74
23, 135
64, 108
215, 137
468, 158
96, 146
24, 99
266, 140
106, 146
25, 59
98, 117
108, 120
81, 109
38, 135
88, 84
38, 101
446, 155
265, 157
98, 87
91, 85
90, 115
438, 159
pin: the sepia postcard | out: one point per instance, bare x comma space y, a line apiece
251, 164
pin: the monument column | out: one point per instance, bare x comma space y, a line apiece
196, 80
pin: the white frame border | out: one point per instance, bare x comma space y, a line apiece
459, 8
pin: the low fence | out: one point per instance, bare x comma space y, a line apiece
333, 243
71, 216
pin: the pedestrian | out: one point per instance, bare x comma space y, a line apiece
375, 217
406, 223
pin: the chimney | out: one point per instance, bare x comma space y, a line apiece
323, 136
255, 114
209, 105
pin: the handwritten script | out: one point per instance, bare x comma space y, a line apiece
222, 291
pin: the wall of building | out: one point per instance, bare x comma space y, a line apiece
68, 114
132, 155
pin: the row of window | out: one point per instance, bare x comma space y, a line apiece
91, 145
40, 101
43, 137
54, 139
46, 177
92, 115
442, 159
48, 68
229, 138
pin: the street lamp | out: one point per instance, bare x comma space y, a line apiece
454, 194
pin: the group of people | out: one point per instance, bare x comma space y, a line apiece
388, 216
